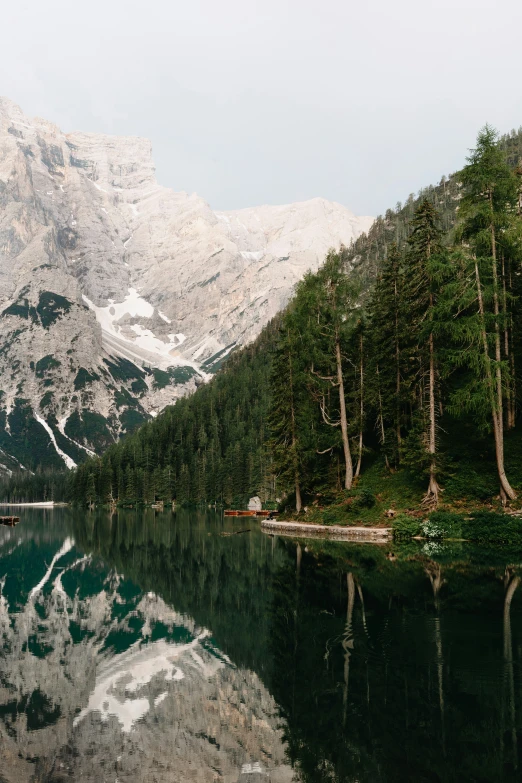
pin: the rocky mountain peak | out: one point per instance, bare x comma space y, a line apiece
118, 295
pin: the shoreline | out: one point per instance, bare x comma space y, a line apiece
40, 504
379, 535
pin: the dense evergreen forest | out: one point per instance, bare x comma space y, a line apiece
402, 354
210, 447
40, 486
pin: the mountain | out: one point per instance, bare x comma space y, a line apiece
118, 295
268, 415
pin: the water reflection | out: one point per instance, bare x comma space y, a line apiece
104, 679
149, 647
409, 667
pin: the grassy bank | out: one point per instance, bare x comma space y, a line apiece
469, 506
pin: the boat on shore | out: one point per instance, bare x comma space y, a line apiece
9, 521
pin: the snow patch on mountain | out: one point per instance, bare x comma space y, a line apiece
68, 460
144, 347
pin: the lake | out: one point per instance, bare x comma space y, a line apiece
147, 646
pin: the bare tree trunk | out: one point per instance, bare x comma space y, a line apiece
298, 499
505, 487
348, 479
498, 371
508, 355
432, 496
381, 419
509, 391
361, 411
509, 327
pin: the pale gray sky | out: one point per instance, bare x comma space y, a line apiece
271, 101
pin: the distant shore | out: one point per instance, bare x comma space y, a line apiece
42, 504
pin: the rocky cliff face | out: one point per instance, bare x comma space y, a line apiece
118, 295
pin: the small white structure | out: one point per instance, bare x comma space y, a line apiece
254, 504
254, 773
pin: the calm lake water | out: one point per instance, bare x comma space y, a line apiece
150, 647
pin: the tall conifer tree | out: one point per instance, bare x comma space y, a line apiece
329, 305
286, 389
490, 199
424, 248
388, 325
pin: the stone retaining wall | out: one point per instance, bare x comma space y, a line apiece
336, 532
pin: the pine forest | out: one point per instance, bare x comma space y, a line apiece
394, 376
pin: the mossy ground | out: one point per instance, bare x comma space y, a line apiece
469, 505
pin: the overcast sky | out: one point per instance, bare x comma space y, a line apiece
269, 101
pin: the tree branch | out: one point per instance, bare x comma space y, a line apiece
326, 418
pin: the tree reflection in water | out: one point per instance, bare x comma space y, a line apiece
382, 669
417, 682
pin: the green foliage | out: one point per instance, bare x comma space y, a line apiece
46, 400
182, 374
488, 526
43, 366
161, 378
217, 360
387, 359
89, 428
131, 419
442, 524
42, 485
21, 309
25, 439
139, 386
211, 446
84, 377
124, 370
51, 307
174, 375
364, 499
405, 527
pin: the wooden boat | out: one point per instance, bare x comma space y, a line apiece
9, 521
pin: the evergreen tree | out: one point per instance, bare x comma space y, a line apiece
285, 380
327, 304
387, 336
359, 338
421, 260
490, 199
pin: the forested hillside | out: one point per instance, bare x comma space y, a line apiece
212, 446
401, 354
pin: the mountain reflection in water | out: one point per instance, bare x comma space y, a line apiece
148, 647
